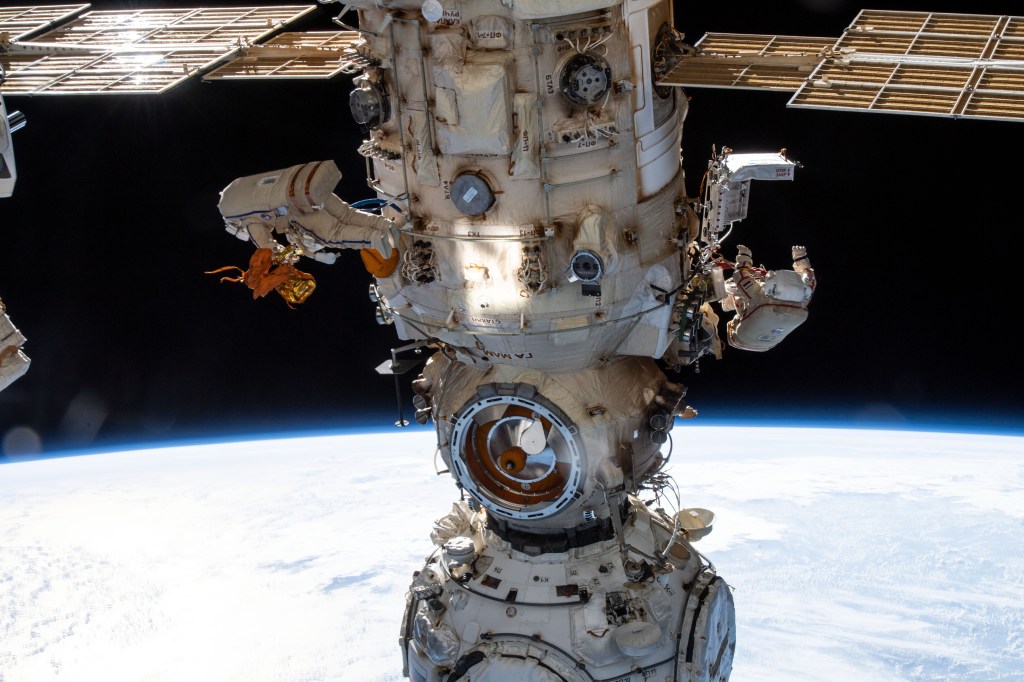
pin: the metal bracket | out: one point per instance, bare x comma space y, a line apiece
396, 367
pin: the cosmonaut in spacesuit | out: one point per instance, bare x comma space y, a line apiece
769, 304
299, 203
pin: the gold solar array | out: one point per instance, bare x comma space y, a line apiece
956, 65
156, 27
311, 54
21, 22
139, 51
750, 61
959, 65
109, 73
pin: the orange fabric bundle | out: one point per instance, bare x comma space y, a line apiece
267, 273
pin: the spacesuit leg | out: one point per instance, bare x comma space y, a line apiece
353, 216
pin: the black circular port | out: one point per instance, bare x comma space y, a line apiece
586, 266
370, 105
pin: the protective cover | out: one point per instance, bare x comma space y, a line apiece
484, 128
491, 32
425, 159
773, 166
526, 153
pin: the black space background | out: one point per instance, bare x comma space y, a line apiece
912, 225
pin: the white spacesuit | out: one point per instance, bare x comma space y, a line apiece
299, 203
769, 304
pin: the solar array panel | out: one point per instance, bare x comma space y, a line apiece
136, 51
20, 22
957, 65
223, 26
104, 73
310, 54
750, 61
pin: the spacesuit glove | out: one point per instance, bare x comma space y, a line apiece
384, 242
394, 229
324, 257
238, 230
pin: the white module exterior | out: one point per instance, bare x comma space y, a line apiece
572, 616
479, 93
527, 171
541, 250
536, 171
13, 361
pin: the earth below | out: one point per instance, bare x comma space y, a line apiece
854, 555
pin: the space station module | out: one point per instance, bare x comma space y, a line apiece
13, 361
525, 175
